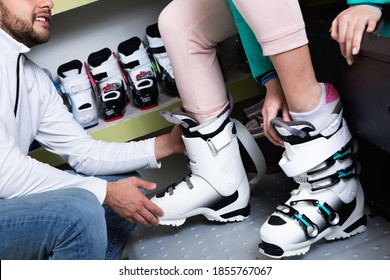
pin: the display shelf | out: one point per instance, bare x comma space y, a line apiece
138, 123
135, 123
61, 6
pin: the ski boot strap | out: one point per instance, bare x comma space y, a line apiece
75, 85
138, 58
155, 48
220, 140
332, 179
299, 158
105, 71
253, 149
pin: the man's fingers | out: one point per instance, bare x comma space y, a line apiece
147, 185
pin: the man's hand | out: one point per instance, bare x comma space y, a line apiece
125, 199
349, 26
169, 144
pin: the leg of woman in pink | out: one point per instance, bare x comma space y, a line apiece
217, 186
319, 155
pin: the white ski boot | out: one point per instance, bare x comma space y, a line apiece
329, 202
217, 186
111, 85
161, 60
77, 87
139, 70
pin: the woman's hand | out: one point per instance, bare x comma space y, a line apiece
274, 103
349, 26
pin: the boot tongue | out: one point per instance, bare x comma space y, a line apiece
294, 131
178, 116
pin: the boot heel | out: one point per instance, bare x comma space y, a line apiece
356, 227
238, 215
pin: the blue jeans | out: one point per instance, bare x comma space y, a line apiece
67, 224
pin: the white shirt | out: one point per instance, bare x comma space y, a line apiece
41, 115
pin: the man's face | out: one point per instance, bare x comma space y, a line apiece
28, 21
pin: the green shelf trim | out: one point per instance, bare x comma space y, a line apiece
61, 6
135, 127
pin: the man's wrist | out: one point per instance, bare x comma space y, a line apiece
106, 199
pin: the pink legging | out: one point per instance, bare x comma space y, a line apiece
191, 29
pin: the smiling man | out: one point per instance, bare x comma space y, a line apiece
47, 213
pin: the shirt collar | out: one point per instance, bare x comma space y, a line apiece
11, 46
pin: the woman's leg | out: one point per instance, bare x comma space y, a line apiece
329, 202
190, 31
280, 29
217, 186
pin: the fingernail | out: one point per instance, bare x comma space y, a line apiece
355, 51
